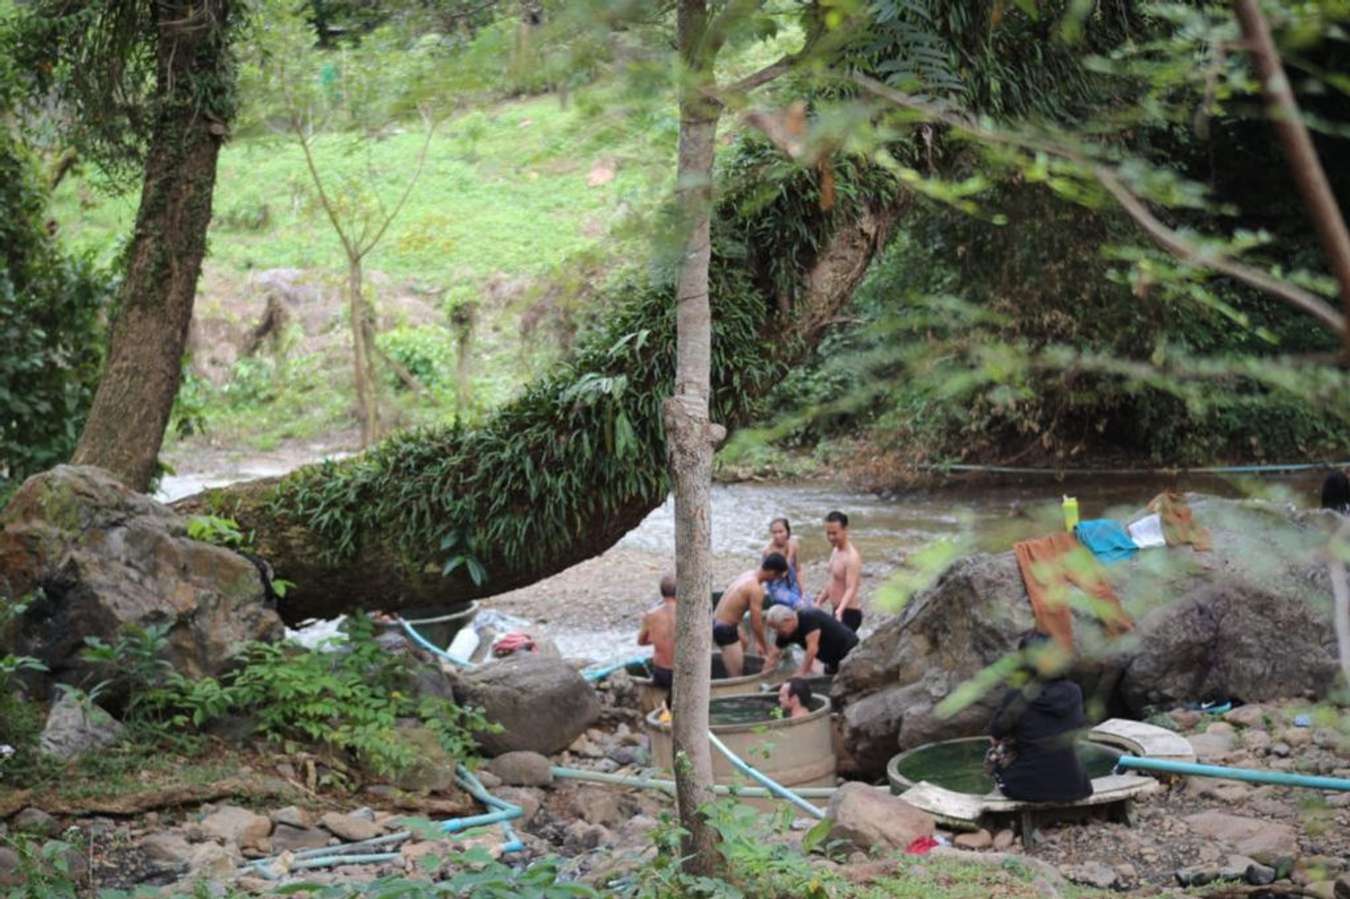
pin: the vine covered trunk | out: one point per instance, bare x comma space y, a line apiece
140, 379
578, 459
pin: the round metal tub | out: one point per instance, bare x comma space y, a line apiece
651, 696
957, 765
795, 752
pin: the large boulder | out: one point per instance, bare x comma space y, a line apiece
97, 556
871, 818
542, 704
1248, 620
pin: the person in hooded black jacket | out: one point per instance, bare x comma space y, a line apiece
1041, 720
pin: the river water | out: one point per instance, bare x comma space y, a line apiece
593, 608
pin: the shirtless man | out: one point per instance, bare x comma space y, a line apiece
794, 697
746, 594
841, 591
658, 632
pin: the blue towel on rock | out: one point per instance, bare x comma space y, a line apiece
1108, 540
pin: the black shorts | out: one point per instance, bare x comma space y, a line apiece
725, 634
852, 619
662, 676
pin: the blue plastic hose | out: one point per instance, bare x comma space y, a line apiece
328, 856
432, 647
601, 672
771, 786
1251, 775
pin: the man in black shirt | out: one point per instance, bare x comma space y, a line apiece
815, 630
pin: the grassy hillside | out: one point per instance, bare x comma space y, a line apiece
520, 208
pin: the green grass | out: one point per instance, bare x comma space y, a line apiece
919, 877
503, 190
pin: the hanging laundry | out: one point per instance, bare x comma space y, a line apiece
1147, 532
1178, 523
1050, 565
1108, 540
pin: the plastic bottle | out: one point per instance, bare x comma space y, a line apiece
1070, 513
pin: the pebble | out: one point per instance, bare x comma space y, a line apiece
980, 839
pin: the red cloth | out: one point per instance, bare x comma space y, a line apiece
1049, 566
921, 846
513, 642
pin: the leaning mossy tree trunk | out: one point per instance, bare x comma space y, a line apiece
438, 516
154, 305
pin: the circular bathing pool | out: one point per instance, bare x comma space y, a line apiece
958, 765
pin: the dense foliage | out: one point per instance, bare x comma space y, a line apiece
1022, 317
51, 327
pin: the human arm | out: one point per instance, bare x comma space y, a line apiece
812, 646
793, 546
645, 632
757, 619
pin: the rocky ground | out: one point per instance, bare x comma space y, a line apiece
1212, 834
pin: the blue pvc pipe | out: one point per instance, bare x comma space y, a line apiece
1251, 775
325, 856
604, 671
432, 647
771, 786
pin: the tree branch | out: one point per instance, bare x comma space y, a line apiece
1164, 236
1299, 151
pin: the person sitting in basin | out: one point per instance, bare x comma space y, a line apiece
1336, 493
1035, 727
785, 591
746, 594
658, 632
822, 635
794, 697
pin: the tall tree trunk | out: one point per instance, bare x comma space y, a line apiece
690, 438
154, 306
363, 340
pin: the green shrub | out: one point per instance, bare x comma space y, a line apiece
427, 352
51, 328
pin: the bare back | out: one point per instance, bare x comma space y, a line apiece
658, 631
744, 593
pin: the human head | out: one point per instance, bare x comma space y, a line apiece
794, 694
782, 619
1336, 492
836, 528
668, 587
780, 531
1041, 655
772, 567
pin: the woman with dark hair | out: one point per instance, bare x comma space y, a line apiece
788, 591
1035, 728
1336, 493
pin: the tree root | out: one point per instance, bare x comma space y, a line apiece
149, 800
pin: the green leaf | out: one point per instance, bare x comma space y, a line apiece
816, 835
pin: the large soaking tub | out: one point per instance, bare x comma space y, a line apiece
795, 752
651, 696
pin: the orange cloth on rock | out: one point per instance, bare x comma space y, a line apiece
1049, 566
1178, 523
